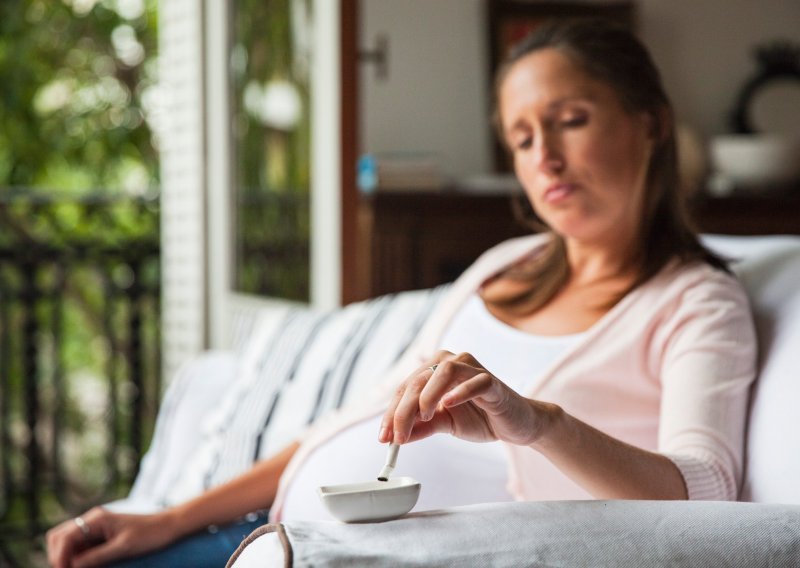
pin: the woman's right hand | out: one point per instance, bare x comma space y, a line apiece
461, 397
110, 536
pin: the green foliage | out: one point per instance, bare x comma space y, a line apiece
271, 87
78, 82
78, 106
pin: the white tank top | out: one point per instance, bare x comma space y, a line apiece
452, 472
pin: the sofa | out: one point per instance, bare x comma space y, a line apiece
291, 365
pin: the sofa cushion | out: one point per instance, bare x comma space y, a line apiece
193, 393
769, 269
295, 364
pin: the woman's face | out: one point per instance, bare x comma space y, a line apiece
581, 157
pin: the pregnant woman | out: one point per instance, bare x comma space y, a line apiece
609, 356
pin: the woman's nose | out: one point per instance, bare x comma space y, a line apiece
548, 155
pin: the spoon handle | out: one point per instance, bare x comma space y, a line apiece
391, 461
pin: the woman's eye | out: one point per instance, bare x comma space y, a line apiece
574, 122
524, 143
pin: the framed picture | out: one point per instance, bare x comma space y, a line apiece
512, 20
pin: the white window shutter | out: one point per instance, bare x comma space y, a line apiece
183, 304
326, 151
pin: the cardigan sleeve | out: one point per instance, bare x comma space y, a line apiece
708, 365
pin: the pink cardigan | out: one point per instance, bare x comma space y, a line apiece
668, 369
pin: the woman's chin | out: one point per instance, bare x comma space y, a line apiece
571, 226
582, 232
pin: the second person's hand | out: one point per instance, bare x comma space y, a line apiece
108, 536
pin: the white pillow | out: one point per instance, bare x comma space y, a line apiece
193, 392
769, 268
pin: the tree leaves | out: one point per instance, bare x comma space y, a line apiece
72, 116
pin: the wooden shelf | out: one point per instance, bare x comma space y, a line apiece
411, 240
749, 213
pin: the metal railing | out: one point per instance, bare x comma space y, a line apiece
79, 353
272, 245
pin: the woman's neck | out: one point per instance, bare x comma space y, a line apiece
596, 262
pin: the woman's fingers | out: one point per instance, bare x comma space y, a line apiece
430, 393
106, 536
477, 386
386, 434
102, 554
67, 539
409, 412
440, 423
60, 545
431, 401
448, 375
124, 536
417, 400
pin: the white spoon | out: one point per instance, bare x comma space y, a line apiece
391, 461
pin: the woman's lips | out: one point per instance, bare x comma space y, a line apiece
558, 192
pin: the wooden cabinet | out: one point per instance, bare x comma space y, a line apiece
411, 240
749, 214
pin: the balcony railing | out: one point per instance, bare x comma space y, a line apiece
79, 354
272, 244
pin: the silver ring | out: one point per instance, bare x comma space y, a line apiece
83, 525
433, 367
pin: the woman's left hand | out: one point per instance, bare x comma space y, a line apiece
462, 398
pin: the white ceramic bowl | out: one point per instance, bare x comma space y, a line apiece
372, 500
751, 160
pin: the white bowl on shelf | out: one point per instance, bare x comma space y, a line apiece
372, 500
756, 160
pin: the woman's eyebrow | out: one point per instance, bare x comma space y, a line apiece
518, 126
583, 97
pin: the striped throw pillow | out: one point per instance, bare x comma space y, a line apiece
296, 364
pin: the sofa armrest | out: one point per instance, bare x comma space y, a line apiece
555, 533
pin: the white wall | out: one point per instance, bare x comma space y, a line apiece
435, 98
704, 50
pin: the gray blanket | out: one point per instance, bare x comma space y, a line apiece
575, 533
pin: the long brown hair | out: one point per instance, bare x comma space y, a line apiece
613, 55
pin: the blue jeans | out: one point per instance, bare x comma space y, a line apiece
210, 548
